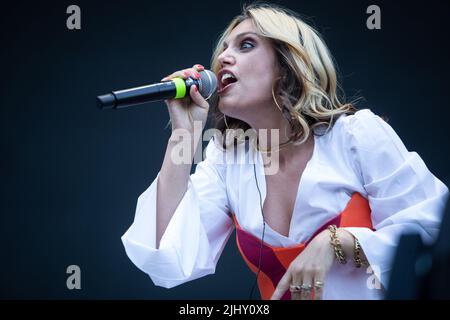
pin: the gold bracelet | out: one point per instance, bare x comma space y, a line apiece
357, 255
336, 244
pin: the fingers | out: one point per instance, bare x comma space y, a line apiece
282, 286
199, 67
307, 289
186, 73
318, 286
307, 283
302, 280
303, 285
193, 72
297, 280
197, 98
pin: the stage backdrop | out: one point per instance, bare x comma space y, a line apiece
71, 174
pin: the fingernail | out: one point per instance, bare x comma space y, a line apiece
197, 75
195, 88
199, 66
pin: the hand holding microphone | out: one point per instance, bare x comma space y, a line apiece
197, 83
183, 112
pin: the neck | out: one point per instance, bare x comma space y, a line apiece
273, 132
290, 153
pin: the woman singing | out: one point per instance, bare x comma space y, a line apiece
319, 195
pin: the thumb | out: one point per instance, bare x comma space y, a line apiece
197, 98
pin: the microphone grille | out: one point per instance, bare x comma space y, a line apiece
208, 83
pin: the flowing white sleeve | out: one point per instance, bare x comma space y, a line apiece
196, 234
404, 196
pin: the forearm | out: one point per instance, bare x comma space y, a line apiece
173, 179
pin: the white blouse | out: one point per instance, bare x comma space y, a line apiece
361, 153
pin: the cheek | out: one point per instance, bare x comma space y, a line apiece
260, 76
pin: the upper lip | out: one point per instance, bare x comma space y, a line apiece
221, 73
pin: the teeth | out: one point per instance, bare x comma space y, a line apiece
227, 76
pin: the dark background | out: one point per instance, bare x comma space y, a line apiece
71, 174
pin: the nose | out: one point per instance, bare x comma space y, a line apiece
226, 58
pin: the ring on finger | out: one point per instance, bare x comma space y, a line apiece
318, 284
306, 287
295, 288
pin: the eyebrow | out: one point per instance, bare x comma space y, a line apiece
240, 35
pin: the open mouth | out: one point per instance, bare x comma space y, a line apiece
227, 78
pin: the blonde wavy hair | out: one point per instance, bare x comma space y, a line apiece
306, 91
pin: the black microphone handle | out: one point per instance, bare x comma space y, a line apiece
130, 97
177, 88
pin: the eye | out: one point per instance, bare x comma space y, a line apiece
246, 44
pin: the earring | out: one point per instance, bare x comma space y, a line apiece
275, 100
225, 120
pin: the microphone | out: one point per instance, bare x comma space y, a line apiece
177, 88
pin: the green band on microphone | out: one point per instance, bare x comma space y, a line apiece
180, 88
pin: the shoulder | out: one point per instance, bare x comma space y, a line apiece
359, 125
361, 120
366, 130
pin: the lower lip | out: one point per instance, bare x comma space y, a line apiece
225, 89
